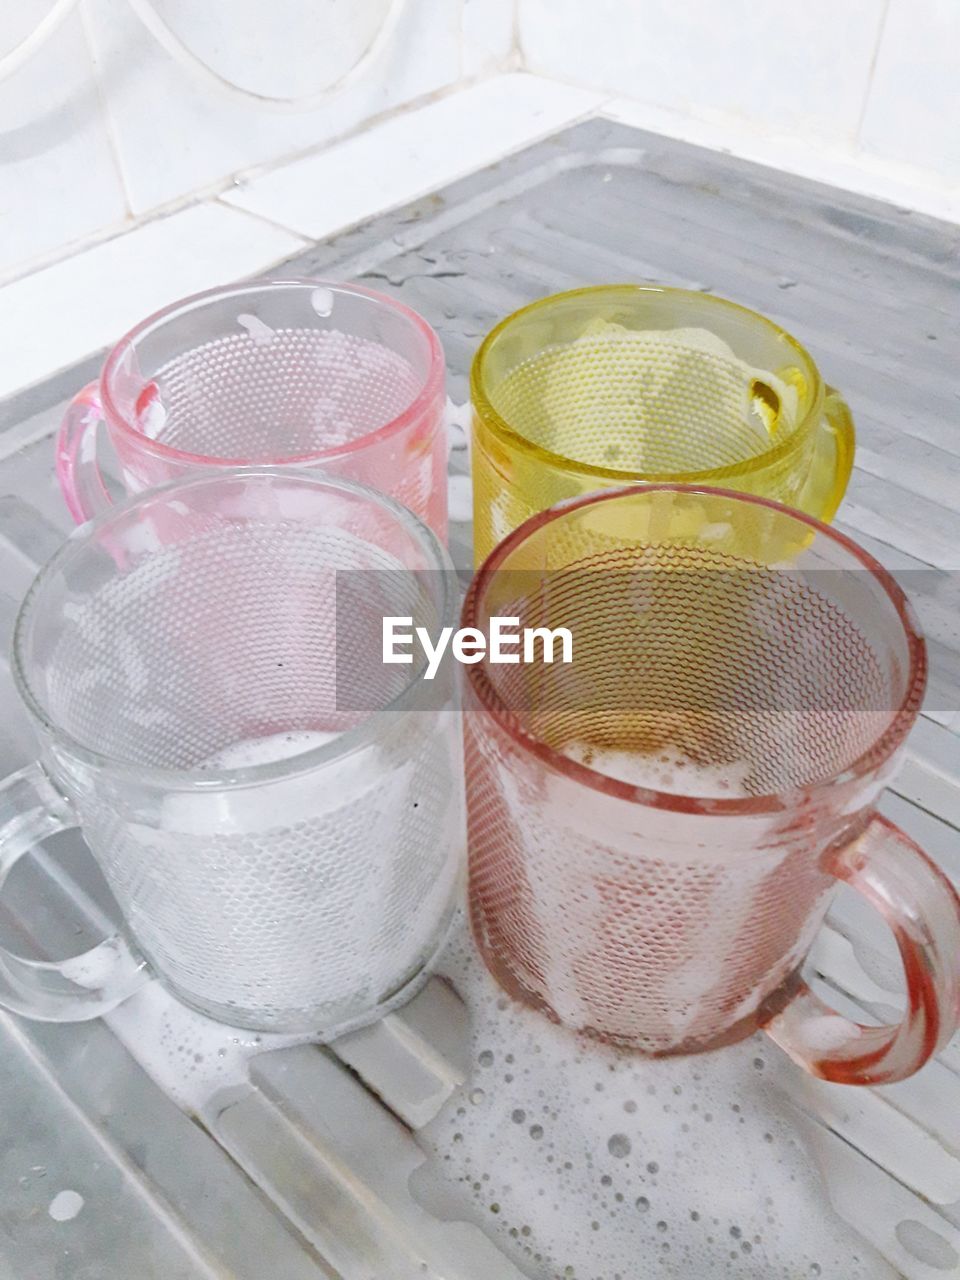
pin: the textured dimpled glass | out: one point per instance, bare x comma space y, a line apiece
279, 814
611, 385
275, 372
656, 828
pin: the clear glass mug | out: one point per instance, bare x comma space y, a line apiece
616, 384
291, 372
278, 814
656, 828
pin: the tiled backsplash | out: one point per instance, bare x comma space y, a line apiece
102, 127
875, 79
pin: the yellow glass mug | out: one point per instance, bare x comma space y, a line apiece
616, 384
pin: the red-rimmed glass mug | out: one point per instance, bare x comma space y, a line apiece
656, 828
299, 372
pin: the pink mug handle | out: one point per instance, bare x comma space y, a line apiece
922, 909
80, 480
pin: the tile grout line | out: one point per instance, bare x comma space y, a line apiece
305, 241
109, 125
871, 71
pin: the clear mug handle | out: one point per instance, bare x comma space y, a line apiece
84, 986
921, 907
80, 480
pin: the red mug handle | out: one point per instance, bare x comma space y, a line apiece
921, 907
77, 470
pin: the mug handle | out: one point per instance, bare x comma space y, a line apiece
832, 462
83, 489
84, 986
921, 906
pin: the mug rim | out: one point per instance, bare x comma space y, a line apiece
343, 744
879, 750
501, 428
433, 381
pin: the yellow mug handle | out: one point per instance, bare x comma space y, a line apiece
832, 462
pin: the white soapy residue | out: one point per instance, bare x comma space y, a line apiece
191, 1057
580, 1160
670, 770
460, 498
276, 746
272, 805
261, 333
94, 969
828, 1033
294, 902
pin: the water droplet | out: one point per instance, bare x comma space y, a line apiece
486, 1058
322, 301
477, 1096
927, 1246
619, 1145
65, 1206
518, 1116
643, 1204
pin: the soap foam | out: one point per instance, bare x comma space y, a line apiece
251, 752
196, 1061
584, 1162
670, 770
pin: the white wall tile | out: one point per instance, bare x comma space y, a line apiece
55, 317
58, 181
913, 111
411, 154
489, 30
178, 136
800, 68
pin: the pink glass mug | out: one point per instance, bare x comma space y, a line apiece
657, 826
273, 372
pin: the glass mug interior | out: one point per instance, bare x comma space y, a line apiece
618, 383
278, 814
275, 372
655, 829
